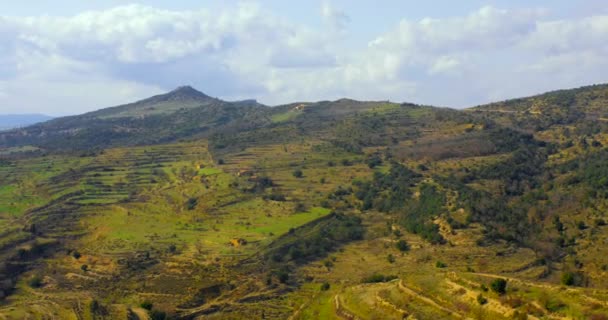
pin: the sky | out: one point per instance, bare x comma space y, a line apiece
71, 56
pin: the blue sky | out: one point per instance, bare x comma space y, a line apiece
66, 56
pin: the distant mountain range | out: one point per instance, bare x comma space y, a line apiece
10, 121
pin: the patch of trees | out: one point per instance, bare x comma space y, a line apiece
519, 173
501, 219
304, 245
392, 193
377, 278
592, 170
417, 215
260, 184
387, 192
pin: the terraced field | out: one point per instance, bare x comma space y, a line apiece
328, 210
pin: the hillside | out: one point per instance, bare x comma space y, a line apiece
183, 206
181, 113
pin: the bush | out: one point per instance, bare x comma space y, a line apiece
84, 267
158, 315
402, 245
191, 203
283, 276
581, 225
76, 255
147, 305
481, 299
568, 278
35, 281
390, 258
499, 286
440, 264
376, 278
325, 286
298, 173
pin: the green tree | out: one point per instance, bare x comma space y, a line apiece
402, 245
298, 173
499, 286
568, 278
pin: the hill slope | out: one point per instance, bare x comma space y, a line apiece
181, 113
326, 210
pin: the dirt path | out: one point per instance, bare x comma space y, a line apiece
141, 314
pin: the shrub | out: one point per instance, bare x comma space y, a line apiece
568, 278
158, 315
191, 203
581, 225
76, 255
481, 299
283, 276
147, 305
376, 278
84, 267
35, 281
390, 258
325, 286
402, 245
440, 264
298, 173
499, 286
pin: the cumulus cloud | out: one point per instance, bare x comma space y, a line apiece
337, 18
99, 58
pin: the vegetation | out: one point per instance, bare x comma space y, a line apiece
314, 211
499, 286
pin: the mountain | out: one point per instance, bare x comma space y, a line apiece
181, 113
182, 98
10, 121
183, 206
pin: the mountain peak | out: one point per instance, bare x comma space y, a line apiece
182, 92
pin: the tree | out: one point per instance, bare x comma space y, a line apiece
402, 245
35, 281
499, 286
298, 173
390, 258
147, 305
568, 278
325, 286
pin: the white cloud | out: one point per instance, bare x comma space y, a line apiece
100, 58
337, 18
